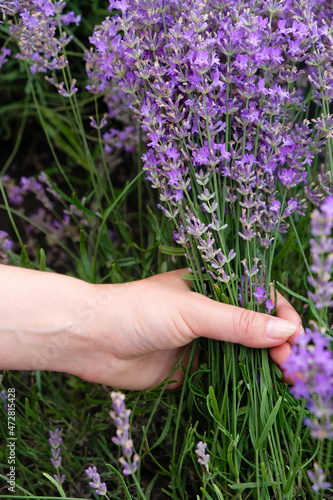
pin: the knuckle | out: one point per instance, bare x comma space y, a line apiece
246, 325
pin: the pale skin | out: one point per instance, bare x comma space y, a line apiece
127, 335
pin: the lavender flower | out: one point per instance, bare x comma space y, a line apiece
100, 488
322, 254
260, 295
4, 398
55, 441
311, 366
6, 247
60, 86
120, 416
4, 55
317, 478
203, 457
5, 240
311, 360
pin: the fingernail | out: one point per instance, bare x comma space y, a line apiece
279, 329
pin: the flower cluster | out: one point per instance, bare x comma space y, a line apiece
120, 416
126, 137
100, 488
203, 457
36, 32
215, 87
55, 441
49, 217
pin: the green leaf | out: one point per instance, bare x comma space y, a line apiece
192, 277
264, 406
144, 250
166, 250
295, 469
165, 430
218, 492
243, 369
26, 409
230, 459
221, 296
242, 486
120, 477
57, 485
84, 255
25, 261
206, 495
217, 420
65, 138
213, 403
269, 424
307, 301
294, 294
42, 260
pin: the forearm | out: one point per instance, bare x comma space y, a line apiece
41, 319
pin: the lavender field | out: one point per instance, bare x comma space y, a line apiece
140, 137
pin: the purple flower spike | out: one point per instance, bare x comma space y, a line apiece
310, 364
317, 478
322, 255
61, 479
203, 457
55, 441
56, 462
100, 488
120, 416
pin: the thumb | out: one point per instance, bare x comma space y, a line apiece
234, 324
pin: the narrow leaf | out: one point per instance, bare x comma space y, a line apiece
269, 423
57, 485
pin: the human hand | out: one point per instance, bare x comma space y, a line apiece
137, 330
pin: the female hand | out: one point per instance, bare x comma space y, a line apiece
127, 335
139, 336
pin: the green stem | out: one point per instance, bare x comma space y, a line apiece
139, 190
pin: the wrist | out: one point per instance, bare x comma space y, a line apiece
40, 319
66, 340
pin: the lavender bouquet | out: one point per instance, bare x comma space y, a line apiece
221, 90
233, 100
